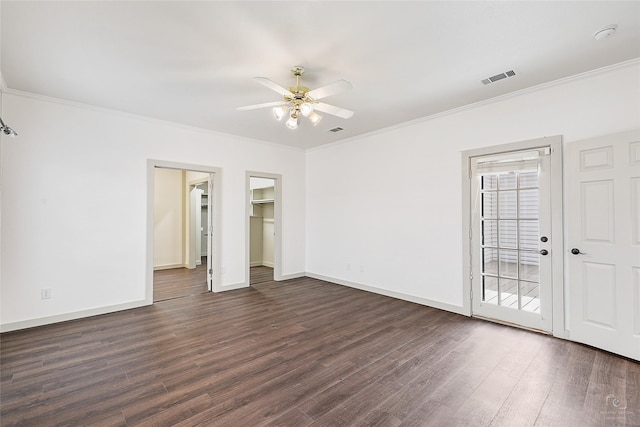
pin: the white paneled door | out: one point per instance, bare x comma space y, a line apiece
511, 238
603, 195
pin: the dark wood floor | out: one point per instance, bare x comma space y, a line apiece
183, 282
180, 282
261, 274
306, 353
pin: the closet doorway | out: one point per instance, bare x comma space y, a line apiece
183, 217
263, 228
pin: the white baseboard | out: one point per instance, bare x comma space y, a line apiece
564, 334
233, 286
261, 264
14, 326
398, 295
291, 276
168, 267
41, 321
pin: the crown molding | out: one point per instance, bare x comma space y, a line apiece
542, 86
148, 119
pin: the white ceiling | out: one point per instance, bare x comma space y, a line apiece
192, 62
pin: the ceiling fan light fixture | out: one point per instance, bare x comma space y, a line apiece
300, 101
306, 109
314, 118
280, 112
292, 123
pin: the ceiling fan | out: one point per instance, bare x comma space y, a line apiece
300, 101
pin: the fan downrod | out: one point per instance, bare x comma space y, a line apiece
297, 90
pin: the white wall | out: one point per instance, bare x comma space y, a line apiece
2, 137
168, 221
80, 229
256, 233
386, 215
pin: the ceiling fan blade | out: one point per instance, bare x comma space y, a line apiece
274, 86
330, 89
333, 110
265, 105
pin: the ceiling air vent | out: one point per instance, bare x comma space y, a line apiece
336, 129
497, 77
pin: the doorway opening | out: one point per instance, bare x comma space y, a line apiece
514, 246
263, 227
182, 219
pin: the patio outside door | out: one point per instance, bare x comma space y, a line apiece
511, 277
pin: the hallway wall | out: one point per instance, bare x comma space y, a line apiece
386, 216
87, 216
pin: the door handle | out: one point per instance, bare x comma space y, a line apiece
544, 252
576, 251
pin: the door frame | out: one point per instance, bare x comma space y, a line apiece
214, 205
559, 324
277, 224
208, 181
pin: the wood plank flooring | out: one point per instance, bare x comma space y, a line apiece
306, 353
260, 274
180, 282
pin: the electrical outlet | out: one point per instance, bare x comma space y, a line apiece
45, 293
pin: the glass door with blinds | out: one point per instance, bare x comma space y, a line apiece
510, 238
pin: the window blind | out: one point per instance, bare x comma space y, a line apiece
526, 161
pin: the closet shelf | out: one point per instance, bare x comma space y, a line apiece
261, 201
